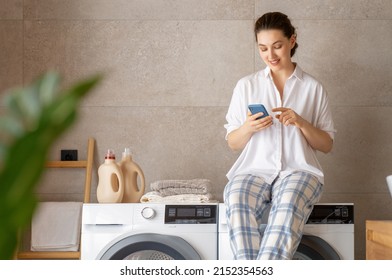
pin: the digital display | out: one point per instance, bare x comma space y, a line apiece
322, 213
190, 214
186, 212
342, 214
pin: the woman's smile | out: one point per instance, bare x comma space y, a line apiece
274, 62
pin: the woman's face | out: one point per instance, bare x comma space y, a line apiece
275, 48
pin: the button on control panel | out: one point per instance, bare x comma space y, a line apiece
148, 213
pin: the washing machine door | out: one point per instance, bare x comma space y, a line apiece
312, 248
315, 248
149, 246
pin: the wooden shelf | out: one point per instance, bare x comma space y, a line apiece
88, 165
67, 164
48, 255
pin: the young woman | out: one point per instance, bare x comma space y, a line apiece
277, 166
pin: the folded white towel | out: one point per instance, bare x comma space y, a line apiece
175, 187
56, 226
154, 196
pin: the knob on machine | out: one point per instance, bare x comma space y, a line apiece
148, 213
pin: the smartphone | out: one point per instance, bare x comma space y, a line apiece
257, 108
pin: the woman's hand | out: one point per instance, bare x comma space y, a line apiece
318, 139
287, 117
253, 125
237, 139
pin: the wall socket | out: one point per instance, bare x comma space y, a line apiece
69, 155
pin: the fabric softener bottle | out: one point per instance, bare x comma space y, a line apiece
131, 171
110, 180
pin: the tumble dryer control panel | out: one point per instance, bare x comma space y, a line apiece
191, 214
332, 214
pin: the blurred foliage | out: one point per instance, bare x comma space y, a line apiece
34, 117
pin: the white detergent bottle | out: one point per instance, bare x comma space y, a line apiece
110, 180
131, 171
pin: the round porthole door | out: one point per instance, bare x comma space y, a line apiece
315, 248
149, 246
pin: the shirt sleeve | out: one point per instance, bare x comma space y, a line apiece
236, 114
324, 120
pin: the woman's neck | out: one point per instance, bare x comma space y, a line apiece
280, 77
285, 73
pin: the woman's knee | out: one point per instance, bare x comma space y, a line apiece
245, 189
233, 191
301, 187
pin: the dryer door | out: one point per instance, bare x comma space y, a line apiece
315, 248
149, 246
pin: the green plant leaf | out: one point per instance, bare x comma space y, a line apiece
38, 115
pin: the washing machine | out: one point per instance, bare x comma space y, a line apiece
328, 233
138, 231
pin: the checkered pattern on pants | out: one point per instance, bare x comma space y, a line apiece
247, 197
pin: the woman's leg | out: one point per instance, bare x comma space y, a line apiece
293, 198
246, 197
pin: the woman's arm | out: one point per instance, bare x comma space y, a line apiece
318, 139
237, 139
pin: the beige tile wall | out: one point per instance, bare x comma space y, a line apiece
11, 44
170, 67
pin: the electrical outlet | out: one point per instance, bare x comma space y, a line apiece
69, 155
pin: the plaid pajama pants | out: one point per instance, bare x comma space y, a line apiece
247, 197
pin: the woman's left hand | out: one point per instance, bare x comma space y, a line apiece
287, 117
318, 139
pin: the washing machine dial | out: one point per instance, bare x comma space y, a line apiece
148, 213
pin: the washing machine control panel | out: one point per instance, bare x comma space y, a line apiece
191, 214
332, 214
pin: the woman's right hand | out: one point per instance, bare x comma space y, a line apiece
237, 139
253, 125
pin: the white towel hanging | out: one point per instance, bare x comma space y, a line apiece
56, 226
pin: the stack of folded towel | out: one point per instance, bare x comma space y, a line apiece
180, 191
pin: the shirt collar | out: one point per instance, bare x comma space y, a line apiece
298, 73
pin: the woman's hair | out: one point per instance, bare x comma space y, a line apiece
276, 20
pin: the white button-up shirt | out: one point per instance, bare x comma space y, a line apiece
279, 150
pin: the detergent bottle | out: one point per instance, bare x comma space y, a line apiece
110, 180
131, 171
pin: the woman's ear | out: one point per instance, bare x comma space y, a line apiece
293, 39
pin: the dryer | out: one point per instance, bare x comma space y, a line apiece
328, 233
149, 231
